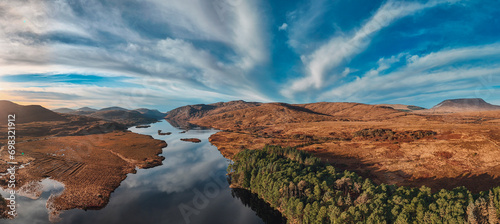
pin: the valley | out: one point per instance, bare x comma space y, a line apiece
91, 152
439, 150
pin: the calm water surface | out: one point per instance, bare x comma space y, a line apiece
190, 187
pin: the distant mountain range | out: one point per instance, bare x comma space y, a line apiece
117, 114
464, 105
254, 111
242, 112
87, 109
402, 107
35, 120
26, 114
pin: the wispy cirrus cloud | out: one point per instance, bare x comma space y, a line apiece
169, 53
467, 70
110, 39
340, 49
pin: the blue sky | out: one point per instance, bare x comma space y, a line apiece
168, 53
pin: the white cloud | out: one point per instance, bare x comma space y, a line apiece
435, 72
110, 45
340, 49
302, 22
284, 26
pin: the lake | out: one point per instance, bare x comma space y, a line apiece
190, 187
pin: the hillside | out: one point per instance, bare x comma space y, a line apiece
353, 111
126, 117
113, 108
268, 114
402, 107
463, 105
25, 114
90, 156
87, 109
35, 121
388, 145
181, 116
259, 116
118, 114
64, 110
244, 115
151, 113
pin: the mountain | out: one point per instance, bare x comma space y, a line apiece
258, 116
379, 141
241, 115
151, 113
64, 110
352, 111
127, 117
181, 116
35, 120
113, 108
463, 105
118, 114
402, 107
87, 109
26, 114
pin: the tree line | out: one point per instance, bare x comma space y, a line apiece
305, 190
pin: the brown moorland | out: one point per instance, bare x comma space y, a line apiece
179, 117
89, 156
26, 114
387, 145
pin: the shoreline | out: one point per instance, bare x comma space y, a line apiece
90, 167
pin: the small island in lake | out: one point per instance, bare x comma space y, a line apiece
195, 140
143, 126
164, 133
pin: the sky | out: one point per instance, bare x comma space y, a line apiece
168, 53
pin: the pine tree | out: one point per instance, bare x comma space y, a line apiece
471, 216
481, 210
348, 200
340, 202
299, 210
492, 211
317, 192
307, 213
321, 217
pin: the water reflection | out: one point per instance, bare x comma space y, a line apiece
263, 209
31, 201
190, 187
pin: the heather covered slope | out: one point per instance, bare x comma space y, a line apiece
244, 115
151, 113
259, 116
181, 117
126, 117
388, 145
402, 107
191, 112
353, 111
90, 156
25, 114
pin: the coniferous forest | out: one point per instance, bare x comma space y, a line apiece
306, 190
